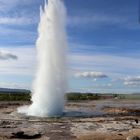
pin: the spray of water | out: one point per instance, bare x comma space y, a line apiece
50, 83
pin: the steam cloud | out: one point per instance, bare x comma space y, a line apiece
50, 83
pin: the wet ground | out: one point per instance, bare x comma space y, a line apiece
87, 120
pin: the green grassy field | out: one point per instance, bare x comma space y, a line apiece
15, 97
27, 96
70, 96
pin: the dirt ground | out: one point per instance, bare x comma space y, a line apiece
87, 120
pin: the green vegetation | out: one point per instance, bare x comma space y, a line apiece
15, 97
129, 96
82, 96
26, 96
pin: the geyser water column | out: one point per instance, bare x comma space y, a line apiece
50, 83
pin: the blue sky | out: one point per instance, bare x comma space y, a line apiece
103, 41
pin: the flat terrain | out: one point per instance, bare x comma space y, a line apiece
85, 120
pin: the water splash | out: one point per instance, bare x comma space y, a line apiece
50, 83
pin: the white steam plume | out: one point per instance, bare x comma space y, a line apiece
50, 82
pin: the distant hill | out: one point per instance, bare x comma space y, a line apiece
9, 90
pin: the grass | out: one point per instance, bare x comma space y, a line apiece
15, 97
80, 96
26, 96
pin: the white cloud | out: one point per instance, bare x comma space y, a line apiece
100, 20
95, 19
13, 15
17, 20
6, 5
14, 85
110, 64
91, 74
7, 56
109, 85
16, 36
132, 81
24, 65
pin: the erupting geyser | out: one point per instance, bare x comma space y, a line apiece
50, 83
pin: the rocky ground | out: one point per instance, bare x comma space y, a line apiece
87, 120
